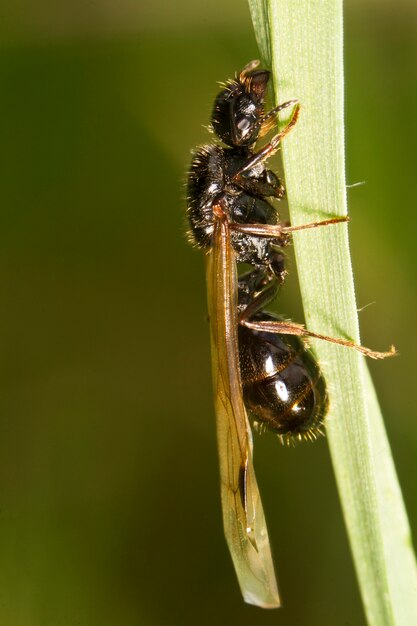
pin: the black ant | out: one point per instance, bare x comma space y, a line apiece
260, 362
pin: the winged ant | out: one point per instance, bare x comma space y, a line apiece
260, 362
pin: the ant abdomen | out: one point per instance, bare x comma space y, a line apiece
283, 387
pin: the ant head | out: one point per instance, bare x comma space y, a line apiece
239, 108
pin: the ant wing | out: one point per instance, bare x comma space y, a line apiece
243, 517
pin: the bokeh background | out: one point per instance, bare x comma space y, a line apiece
109, 498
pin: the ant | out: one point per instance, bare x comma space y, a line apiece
261, 364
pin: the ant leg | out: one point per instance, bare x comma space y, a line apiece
267, 185
290, 328
258, 303
280, 231
269, 120
270, 147
333, 220
280, 107
256, 289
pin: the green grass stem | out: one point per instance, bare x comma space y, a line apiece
302, 42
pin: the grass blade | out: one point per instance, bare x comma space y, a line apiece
303, 44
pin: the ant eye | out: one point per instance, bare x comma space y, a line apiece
243, 123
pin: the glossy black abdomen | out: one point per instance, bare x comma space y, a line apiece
283, 387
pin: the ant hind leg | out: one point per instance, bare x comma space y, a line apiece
291, 328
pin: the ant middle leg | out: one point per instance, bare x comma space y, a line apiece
281, 232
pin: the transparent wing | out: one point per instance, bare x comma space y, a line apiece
243, 516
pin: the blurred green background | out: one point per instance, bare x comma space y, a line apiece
109, 497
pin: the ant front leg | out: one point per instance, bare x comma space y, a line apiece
269, 120
272, 146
